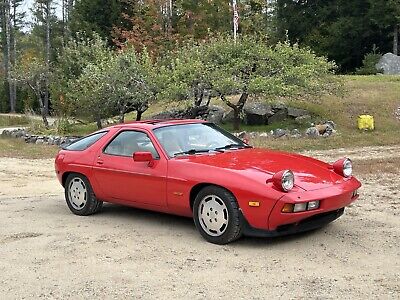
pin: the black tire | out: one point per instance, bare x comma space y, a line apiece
233, 230
91, 205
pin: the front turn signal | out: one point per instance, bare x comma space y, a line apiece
288, 208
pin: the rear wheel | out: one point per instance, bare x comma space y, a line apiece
79, 195
217, 216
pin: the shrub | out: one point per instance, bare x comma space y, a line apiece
369, 64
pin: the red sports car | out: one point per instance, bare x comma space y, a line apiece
196, 169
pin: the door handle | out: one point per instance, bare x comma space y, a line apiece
99, 161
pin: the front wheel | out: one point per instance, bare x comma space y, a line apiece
216, 215
80, 196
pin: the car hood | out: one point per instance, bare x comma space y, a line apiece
310, 174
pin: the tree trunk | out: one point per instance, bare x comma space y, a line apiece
48, 12
236, 119
396, 40
98, 123
14, 57
63, 18
7, 58
42, 110
242, 101
44, 117
198, 97
121, 117
139, 115
208, 100
70, 6
237, 108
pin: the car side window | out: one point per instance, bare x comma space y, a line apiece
128, 142
85, 142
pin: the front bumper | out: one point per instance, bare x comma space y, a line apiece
331, 199
310, 223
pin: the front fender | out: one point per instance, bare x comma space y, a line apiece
183, 176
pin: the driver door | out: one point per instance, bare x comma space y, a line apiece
125, 180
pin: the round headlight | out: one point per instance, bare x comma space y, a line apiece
343, 167
347, 168
283, 180
287, 180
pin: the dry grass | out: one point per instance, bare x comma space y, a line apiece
10, 147
13, 120
378, 166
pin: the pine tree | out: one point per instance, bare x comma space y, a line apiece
341, 29
6, 45
386, 15
17, 22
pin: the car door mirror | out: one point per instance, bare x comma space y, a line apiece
143, 157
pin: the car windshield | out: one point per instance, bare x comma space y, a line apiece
196, 138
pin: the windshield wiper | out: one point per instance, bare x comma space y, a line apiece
230, 146
192, 152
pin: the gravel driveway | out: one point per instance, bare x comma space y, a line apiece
46, 252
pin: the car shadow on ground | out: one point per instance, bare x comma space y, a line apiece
276, 241
131, 213
186, 225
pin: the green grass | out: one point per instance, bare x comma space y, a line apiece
10, 147
13, 120
76, 129
378, 96
286, 124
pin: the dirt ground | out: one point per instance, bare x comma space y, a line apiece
46, 252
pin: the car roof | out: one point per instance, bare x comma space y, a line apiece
151, 124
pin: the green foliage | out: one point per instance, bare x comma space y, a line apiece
33, 74
252, 66
385, 13
63, 126
369, 64
197, 19
116, 85
342, 30
185, 74
77, 55
98, 16
4, 105
249, 67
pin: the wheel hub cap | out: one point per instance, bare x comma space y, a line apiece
77, 193
213, 215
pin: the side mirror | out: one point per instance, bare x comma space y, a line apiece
143, 157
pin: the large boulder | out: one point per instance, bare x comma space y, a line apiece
169, 114
312, 132
279, 116
279, 132
215, 114
196, 112
278, 106
257, 113
297, 112
228, 117
389, 64
302, 120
